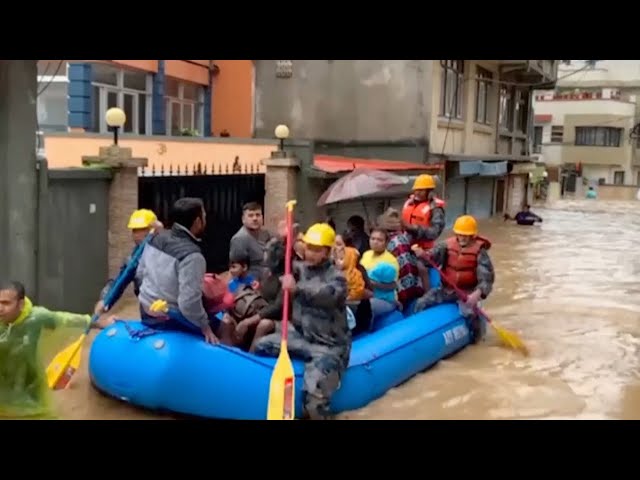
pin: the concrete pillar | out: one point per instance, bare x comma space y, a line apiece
280, 186
123, 198
18, 172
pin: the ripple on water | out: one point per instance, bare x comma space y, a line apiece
565, 288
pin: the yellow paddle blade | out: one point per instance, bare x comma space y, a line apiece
282, 388
511, 339
159, 306
64, 365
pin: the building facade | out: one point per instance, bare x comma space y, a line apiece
584, 127
472, 116
160, 97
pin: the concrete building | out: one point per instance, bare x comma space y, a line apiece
583, 127
474, 116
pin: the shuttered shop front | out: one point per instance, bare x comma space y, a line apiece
455, 199
480, 197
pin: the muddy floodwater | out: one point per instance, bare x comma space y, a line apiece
570, 287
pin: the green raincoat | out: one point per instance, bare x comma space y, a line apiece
24, 392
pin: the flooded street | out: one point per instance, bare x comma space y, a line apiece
569, 287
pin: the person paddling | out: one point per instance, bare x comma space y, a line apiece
140, 223
466, 263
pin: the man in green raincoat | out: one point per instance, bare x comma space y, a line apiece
23, 385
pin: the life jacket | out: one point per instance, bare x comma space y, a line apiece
248, 302
420, 214
462, 262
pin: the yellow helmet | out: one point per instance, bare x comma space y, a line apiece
465, 225
424, 182
142, 218
320, 235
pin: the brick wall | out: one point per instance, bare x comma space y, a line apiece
280, 187
123, 199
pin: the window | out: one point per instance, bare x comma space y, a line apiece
452, 88
557, 133
483, 94
52, 103
537, 139
598, 136
185, 108
638, 178
618, 177
506, 107
129, 90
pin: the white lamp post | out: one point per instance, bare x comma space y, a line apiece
282, 132
116, 118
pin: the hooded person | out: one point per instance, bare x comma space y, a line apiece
24, 393
347, 262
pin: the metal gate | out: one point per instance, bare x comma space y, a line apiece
73, 229
223, 197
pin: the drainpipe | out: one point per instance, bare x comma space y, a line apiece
497, 139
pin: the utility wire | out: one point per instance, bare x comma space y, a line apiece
55, 74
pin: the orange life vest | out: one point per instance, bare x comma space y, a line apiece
462, 262
414, 213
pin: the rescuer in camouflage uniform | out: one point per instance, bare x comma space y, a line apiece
318, 332
464, 259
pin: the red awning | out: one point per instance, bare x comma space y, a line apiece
542, 118
334, 164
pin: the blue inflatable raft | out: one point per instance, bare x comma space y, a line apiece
180, 373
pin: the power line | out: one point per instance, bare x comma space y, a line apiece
55, 74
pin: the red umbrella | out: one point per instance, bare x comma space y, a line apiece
358, 183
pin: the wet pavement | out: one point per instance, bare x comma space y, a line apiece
568, 286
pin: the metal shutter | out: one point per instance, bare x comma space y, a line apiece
480, 197
455, 199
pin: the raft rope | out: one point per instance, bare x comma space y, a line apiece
139, 334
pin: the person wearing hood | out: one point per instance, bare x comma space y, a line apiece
24, 393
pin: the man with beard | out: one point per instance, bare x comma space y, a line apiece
172, 268
251, 240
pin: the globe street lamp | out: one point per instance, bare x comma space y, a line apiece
116, 119
282, 132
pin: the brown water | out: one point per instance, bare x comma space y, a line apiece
569, 287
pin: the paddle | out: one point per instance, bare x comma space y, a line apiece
282, 388
511, 339
67, 361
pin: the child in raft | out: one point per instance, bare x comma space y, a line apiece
239, 266
23, 383
318, 333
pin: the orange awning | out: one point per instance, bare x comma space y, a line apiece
335, 164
